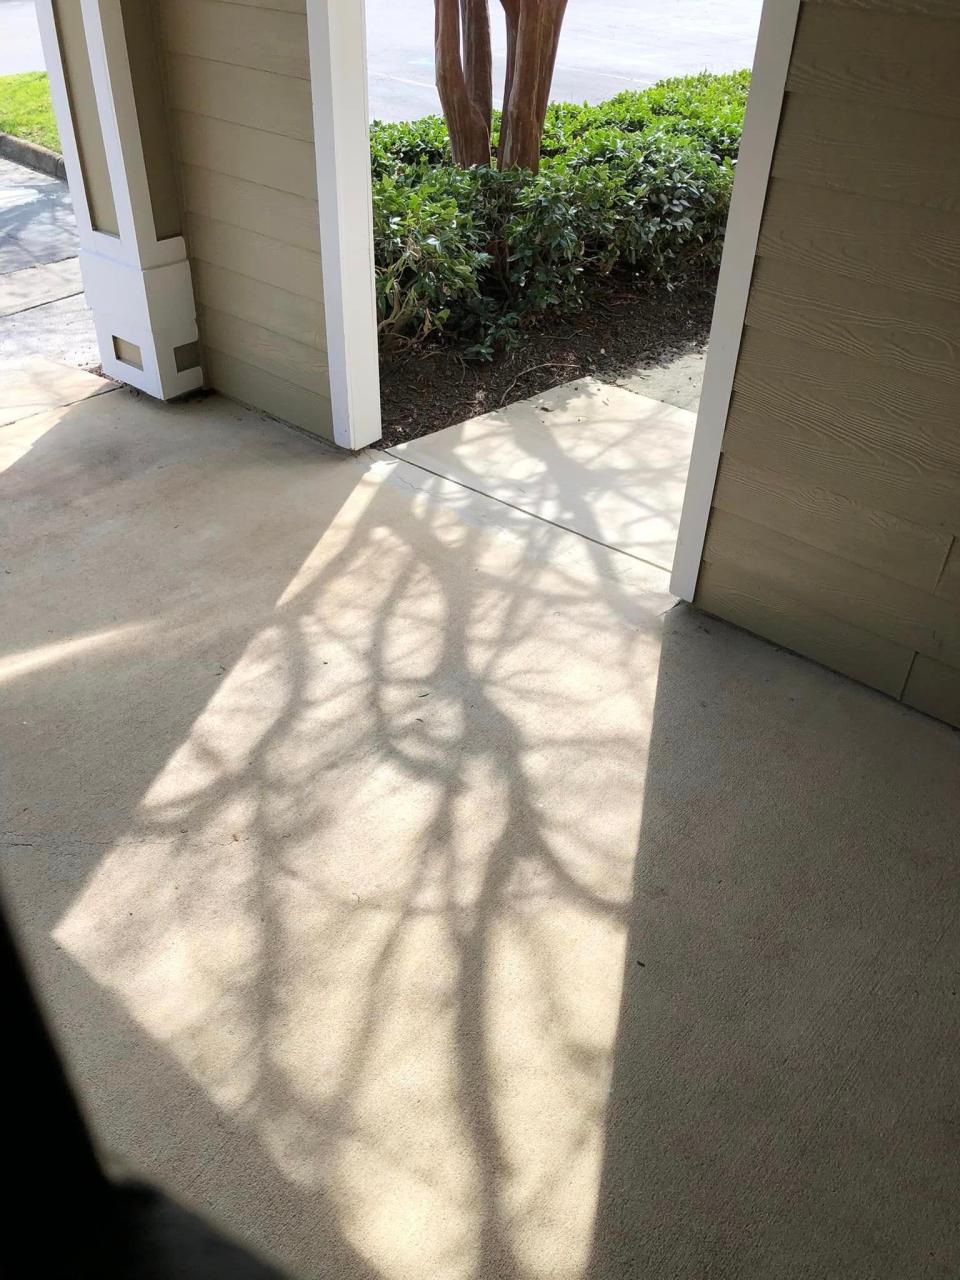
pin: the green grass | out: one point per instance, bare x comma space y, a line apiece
25, 109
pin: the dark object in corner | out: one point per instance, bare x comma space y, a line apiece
64, 1217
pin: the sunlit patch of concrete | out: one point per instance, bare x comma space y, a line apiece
374, 902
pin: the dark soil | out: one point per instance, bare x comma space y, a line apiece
625, 327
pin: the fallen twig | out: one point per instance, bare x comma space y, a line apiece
534, 368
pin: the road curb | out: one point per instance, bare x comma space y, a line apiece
32, 155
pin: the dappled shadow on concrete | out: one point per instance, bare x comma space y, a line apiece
137, 563
599, 460
329, 783
324, 836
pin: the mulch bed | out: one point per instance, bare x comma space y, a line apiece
625, 327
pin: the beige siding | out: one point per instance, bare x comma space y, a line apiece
258, 99
289, 314
241, 35
948, 585
935, 688
146, 72
836, 521
237, 78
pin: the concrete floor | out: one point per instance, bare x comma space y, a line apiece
595, 459
422, 895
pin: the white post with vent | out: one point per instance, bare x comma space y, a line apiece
137, 283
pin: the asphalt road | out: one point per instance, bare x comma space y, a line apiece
19, 38
607, 45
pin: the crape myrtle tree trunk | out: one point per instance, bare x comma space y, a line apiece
465, 77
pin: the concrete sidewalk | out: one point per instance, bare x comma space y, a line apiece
588, 456
420, 894
42, 310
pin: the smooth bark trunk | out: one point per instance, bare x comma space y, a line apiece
469, 130
465, 77
533, 37
478, 58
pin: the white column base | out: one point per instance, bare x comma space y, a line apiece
138, 286
152, 309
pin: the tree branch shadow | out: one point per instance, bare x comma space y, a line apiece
342, 822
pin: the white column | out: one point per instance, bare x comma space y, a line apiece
338, 73
138, 287
778, 26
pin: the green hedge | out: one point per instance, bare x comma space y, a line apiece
641, 182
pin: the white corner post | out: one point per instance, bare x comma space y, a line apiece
137, 284
778, 26
336, 32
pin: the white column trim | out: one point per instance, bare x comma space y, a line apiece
97, 31
60, 99
778, 25
138, 287
117, 109
336, 34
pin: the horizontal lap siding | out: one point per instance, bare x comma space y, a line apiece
948, 584
836, 521
237, 76
241, 35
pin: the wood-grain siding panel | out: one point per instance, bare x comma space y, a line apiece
237, 77
240, 95
885, 153
912, 331
246, 35
924, 8
281, 357
285, 6
915, 619
948, 585
284, 266
253, 386
831, 522
934, 687
865, 400
153, 112
877, 241
287, 164
851, 427
836, 513
251, 206
261, 304
885, 477
769, 610
891, 58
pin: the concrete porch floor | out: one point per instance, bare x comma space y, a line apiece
422, 896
